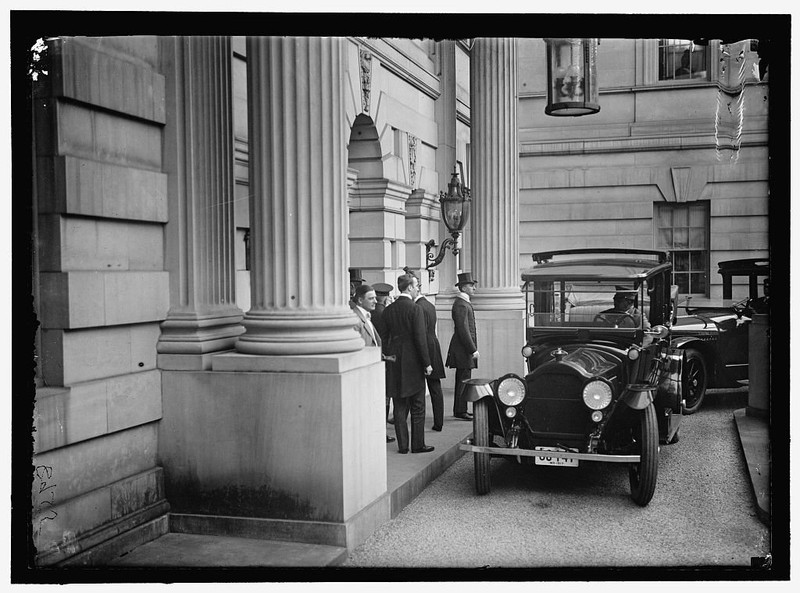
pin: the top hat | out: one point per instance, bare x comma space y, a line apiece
382, 289
465, 278
355, 275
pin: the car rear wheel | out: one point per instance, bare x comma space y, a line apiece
643, 475
696, 380
480, 436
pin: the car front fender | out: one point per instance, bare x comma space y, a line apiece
638, 397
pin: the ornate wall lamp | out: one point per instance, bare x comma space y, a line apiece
571, 77
455, 206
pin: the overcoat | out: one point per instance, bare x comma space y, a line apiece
465, 339
434, 349
361, 327
404, 337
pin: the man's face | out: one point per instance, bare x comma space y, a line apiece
413, 288
468, 288
622, 303
368, 301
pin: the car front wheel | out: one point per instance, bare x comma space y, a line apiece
643, 475
696, 380
480, 436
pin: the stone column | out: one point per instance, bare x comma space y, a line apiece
494, 243
298, 210
301, 401
203, 317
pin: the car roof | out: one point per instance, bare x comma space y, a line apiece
603, 264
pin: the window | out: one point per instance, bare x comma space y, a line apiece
680, 59
683, 230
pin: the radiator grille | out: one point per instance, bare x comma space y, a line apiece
556, 404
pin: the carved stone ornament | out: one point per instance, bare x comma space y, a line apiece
365, 61
412, 160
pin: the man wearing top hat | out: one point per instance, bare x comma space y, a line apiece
463, 352
624, 312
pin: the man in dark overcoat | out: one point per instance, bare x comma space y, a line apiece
404, 338
434, 380
463, 352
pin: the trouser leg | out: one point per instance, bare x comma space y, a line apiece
401, 408
459, 403
437, 401
418, 420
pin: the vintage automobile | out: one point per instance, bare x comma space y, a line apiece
715, 338
601, 384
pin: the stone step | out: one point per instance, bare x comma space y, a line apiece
190, 550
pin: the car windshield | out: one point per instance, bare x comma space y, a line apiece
589, 303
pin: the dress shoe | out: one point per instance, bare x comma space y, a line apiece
464, 416
402, 451
390, 439
436, 428
425, 449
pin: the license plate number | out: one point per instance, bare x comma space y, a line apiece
557, 461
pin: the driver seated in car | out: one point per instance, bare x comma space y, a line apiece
624, 310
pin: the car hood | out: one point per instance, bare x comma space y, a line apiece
586, 361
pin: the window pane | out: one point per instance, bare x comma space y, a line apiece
698, 283
697, 215
682, 280
680, 217
680, 238
664, 239
680, 260
663, 217
697, 238
697, 260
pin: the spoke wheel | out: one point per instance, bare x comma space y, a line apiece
695, 381
643, 475
480, 436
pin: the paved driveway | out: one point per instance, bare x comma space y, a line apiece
702, 514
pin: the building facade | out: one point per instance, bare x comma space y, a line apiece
198, 202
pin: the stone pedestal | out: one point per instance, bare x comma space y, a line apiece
291, 447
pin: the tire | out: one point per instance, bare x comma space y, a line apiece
643, 475
695, 381
480, 436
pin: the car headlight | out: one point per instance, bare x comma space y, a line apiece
597, 394
527, 351
511, 391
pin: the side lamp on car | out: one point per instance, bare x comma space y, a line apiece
527, 351
660, 331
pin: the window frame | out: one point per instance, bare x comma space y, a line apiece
706, 251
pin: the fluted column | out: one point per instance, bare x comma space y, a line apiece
494, 243
203, 317
298, 181
495, 185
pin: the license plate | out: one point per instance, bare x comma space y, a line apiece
557, 461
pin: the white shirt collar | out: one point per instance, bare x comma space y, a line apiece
405, 294
463, 295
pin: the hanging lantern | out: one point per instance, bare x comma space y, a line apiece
571, 77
